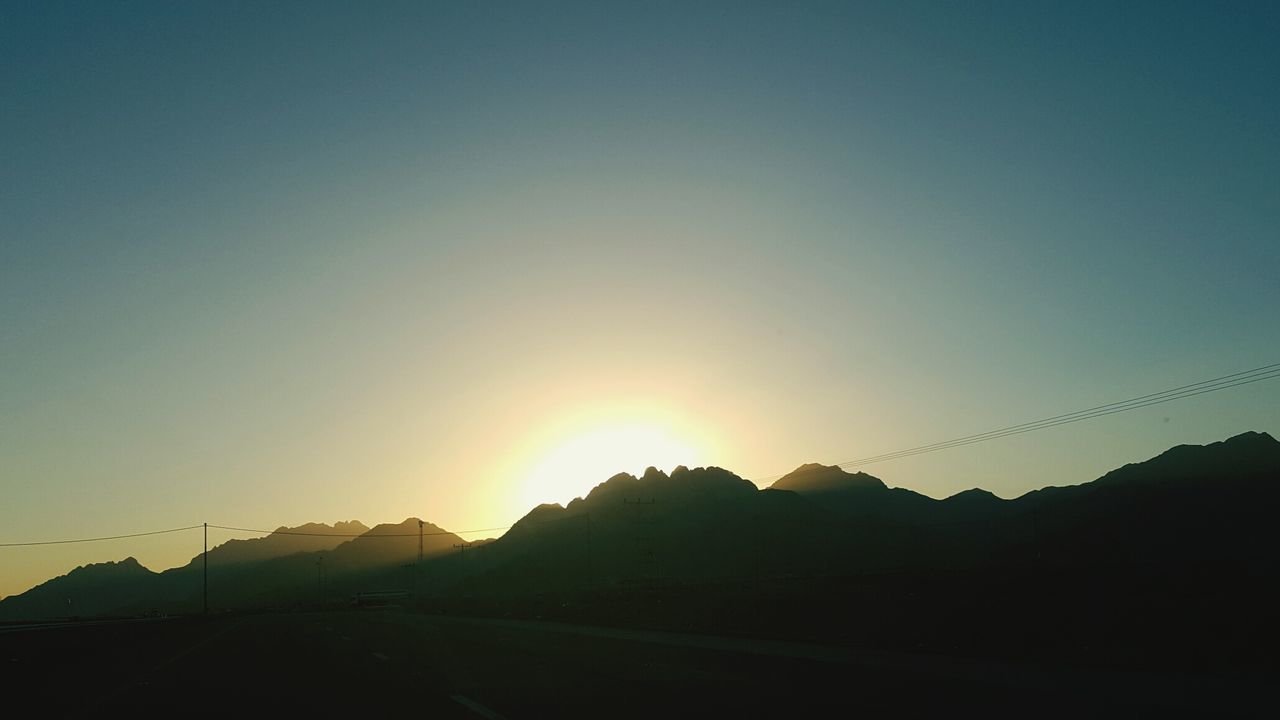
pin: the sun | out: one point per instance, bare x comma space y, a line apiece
579, 462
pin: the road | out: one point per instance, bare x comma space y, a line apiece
380, 661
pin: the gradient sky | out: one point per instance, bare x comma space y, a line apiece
265, 265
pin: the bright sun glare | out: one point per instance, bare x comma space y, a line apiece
585, 460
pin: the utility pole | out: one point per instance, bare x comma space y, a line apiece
462, 549
206, 568
420, 524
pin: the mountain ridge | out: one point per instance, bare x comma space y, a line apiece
708, 523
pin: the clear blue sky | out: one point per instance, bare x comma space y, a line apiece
265, 265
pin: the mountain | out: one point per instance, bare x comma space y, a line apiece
856, 496
88, 590
1191, 514
392, 545
1191, 504
1167, 562
631, 531
241, 572
815, 479
311, 537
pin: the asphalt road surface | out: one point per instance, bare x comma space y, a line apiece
389, 661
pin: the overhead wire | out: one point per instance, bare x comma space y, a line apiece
1054, 422
1224, 382
96, 539
358, 535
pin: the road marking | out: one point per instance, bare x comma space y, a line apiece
142, 680
74, 624
380, 656
225, 629
475, 707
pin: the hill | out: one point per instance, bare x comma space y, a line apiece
1191, 504
1188, 514
86, 591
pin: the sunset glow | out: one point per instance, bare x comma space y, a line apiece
574, 465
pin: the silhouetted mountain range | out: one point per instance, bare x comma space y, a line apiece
311, 537
290, 565
1190, 510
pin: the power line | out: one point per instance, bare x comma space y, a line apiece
250, 530
1224, 382
1046, 424
1221, 383
96, 539
357, 534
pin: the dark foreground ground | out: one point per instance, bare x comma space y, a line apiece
369, 661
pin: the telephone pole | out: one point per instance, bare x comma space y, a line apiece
420, 524
462, 568
206, 568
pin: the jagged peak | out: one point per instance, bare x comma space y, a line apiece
814, 467
408, 525
815, 477
652, 474
542, 510
340, 527
1186, 460
539, 514
128, 564
1252, 436
974, 494
1249, 438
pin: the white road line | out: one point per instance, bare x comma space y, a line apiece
226, 629
380, 656
476, 707
142, 680
74, 624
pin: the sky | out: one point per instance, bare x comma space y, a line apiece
267, 264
